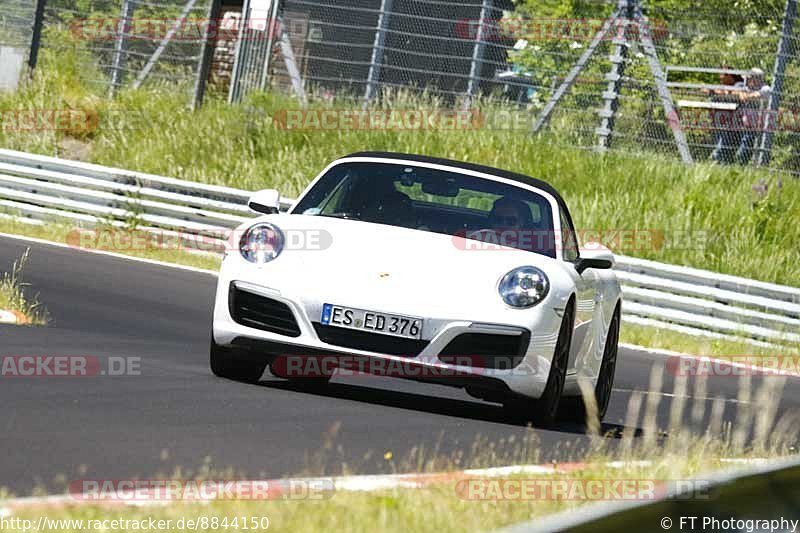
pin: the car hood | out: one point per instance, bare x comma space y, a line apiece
381, 267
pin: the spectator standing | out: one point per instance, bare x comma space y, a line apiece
727, 131
752, 113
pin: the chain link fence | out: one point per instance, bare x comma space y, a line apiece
129, 43
16, 22
732, 78
16, 33
363, 48
690, 79
699, 81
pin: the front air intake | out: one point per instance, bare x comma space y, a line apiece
260, 312
486, 350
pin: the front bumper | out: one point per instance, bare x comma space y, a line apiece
525, 373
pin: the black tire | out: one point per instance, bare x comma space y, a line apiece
235, 363
544, 411
574, 408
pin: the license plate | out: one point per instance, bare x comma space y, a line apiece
407, 327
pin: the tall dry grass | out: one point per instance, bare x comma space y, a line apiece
13, 297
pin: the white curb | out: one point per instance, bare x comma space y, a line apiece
364, 483
7, 317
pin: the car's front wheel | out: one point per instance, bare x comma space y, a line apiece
574, 408
235, 363
544, 411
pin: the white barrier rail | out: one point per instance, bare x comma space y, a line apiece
37, 188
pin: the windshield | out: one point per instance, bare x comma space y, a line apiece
436, 201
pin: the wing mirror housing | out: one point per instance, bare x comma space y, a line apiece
594, 255
267, 201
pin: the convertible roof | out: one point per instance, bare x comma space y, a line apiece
514, 176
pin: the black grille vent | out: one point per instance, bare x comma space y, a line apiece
259, 312
486, 350
371, 342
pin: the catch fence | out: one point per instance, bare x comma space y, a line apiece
698, 81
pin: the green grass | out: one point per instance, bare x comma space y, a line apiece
704, 215
707, 346
64, 234
13, 297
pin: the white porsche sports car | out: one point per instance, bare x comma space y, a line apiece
426, 269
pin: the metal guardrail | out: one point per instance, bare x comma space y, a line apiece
37, 188
766, 492
689, 299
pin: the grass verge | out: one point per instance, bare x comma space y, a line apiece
62, 234
13, 298
678, 342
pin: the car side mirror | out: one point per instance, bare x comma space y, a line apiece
594, 255
267, 201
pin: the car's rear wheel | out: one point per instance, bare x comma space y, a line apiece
235, 363
574, 408
544, 411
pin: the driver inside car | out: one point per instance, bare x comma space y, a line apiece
514, 225
396, 208
510, 214
379, 202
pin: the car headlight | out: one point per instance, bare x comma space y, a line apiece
261, 243
524, 287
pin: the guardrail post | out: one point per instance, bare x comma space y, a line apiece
274, 26
576, 69
36, 35
151, 63
291, 65
207, 52
123, 27
374, 75
619, 56
242, 45
661, 84
782, 58
478, 51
